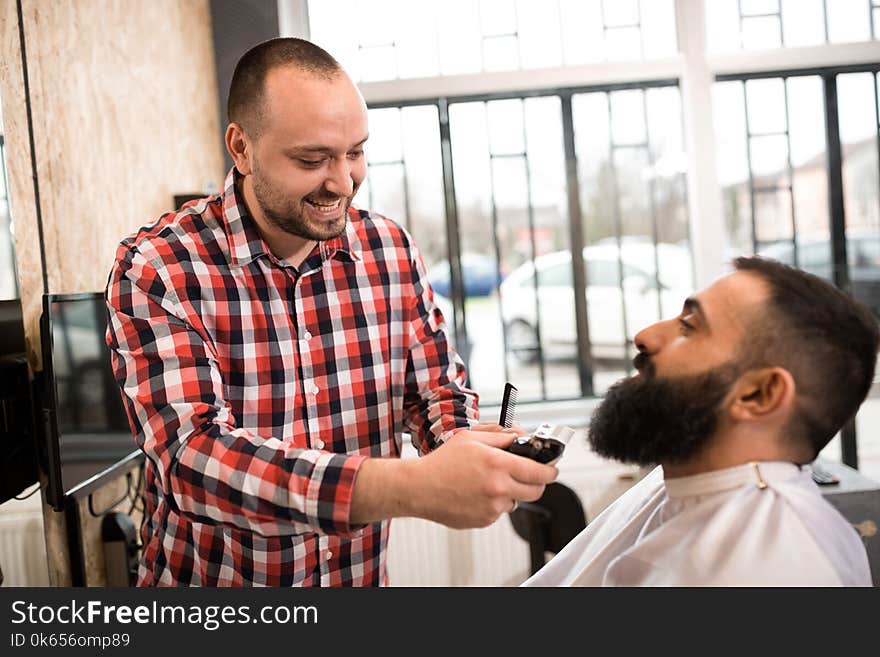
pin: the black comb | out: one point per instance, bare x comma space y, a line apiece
508, 406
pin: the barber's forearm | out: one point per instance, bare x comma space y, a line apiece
384, 488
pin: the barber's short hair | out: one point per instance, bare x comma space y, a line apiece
246, 102
823, 337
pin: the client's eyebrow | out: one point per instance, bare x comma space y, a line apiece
692, 304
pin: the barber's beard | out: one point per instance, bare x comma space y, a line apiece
648, 420
289, 214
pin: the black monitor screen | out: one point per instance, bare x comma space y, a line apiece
89, 435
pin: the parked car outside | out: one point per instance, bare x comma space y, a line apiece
862, 254
479, 271
605, 304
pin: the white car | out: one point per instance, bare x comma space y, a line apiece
605, 310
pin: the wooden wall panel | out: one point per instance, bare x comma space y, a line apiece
124, 109
18, 163
123, 97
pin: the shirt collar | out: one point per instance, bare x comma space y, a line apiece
760, 474
246, 244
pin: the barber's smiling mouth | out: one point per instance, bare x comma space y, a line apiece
326, 209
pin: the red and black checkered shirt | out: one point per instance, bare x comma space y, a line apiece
257, 389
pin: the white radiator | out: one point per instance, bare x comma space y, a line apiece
22, 543
423, 553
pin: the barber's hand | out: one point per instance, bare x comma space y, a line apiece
470, 480
514, 429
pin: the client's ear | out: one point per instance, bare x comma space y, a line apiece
761, 393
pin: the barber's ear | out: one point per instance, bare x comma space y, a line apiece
761, 393
239, 148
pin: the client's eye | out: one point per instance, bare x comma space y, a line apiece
685, 325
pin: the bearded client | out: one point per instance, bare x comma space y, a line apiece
733, 398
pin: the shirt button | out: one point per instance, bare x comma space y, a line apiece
319, 443
315, 390
329, 555
307, 336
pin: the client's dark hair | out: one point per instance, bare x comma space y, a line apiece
824, 338
246, 103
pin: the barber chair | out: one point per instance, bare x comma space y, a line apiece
549, 523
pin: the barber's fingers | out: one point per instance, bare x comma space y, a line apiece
527, 471
491, 438
495, 427
526, 492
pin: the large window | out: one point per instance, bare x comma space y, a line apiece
762, 24
392, 39
557, 164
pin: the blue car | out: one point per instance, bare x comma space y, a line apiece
480, 274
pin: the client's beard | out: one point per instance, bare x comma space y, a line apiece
648, 420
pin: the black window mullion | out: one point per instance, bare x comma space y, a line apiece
576, 239
837, 218
453, 241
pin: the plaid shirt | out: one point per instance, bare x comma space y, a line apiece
257, 389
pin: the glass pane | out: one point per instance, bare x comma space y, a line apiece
378, 63
623, 43
500, 53
632, 169
732, 162
384, 144
592, 140
772, 216
861, 183
628, 117
753, 7
473, 189
848, 20
658, 28
372, 19
669, 189
460, 39
497, 17
620, 12
722, 26
623, 196
339, 38
766, 100
417, 40
387, 188
761, 32
546, 161
505, 126
547, 172
807, 117
424, 172
803, 22
582, 32
769, 157
540, 34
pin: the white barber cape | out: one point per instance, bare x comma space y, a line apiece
763, 524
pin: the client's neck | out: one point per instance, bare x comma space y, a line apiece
728, 449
